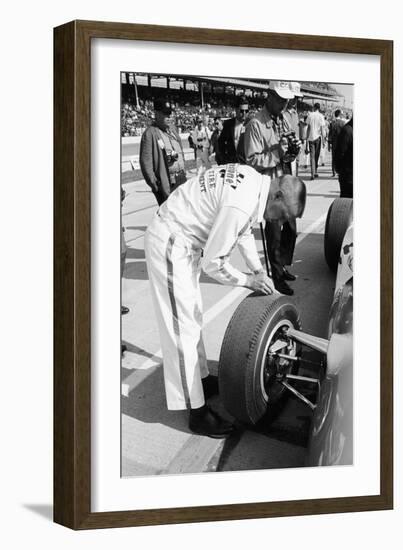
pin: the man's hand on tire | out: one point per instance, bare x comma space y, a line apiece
260, 282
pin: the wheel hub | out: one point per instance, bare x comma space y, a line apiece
280, 360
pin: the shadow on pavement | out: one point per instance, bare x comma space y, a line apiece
135, 254
147, 403
136, 270
138, 351
204, 278
314, 278
136, 227
125, 372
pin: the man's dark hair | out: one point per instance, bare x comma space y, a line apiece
217, 118
316, 106
242, 100
337, 113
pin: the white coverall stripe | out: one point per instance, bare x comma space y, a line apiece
175, 320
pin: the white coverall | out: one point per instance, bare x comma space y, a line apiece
212, 213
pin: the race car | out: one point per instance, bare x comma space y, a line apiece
264, 344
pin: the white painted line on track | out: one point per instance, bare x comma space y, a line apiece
215, 310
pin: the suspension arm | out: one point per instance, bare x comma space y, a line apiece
314, 342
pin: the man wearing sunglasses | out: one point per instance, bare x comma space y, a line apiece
230, 142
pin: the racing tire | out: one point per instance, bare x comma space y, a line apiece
247, 375
339, 217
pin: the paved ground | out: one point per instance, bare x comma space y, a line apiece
157, 441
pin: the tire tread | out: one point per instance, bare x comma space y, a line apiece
241, 339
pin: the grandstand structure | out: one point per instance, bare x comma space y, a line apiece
199, 91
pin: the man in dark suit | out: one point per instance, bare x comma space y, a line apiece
334, 131
344, 159
230, 142
162, 160
215, 136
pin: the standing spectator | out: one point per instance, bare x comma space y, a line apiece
290, 115
334, 130
344, 117
201, 139
316, 124
162, 160
290, 112
322, 154
303, 133
214, 146
191, 144
232, 136
267, 151
344, 159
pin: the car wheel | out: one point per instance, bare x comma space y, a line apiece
339, 217
249, 375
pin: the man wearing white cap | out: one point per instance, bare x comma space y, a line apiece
290, 115
266, 150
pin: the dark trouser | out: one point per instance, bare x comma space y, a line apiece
161, 196
280, 241
176, 179
314, 152
333, 160
346, 185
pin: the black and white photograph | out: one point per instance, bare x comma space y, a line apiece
179, 265
237, 274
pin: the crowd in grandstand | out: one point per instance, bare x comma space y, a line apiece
135, 119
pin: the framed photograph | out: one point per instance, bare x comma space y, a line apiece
209, 363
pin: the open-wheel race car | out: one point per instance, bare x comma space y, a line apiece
264, 345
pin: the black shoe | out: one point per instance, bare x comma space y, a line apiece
282, 287
124, 310
204, 421
287, 276
210, 386
312, 178
316, 175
